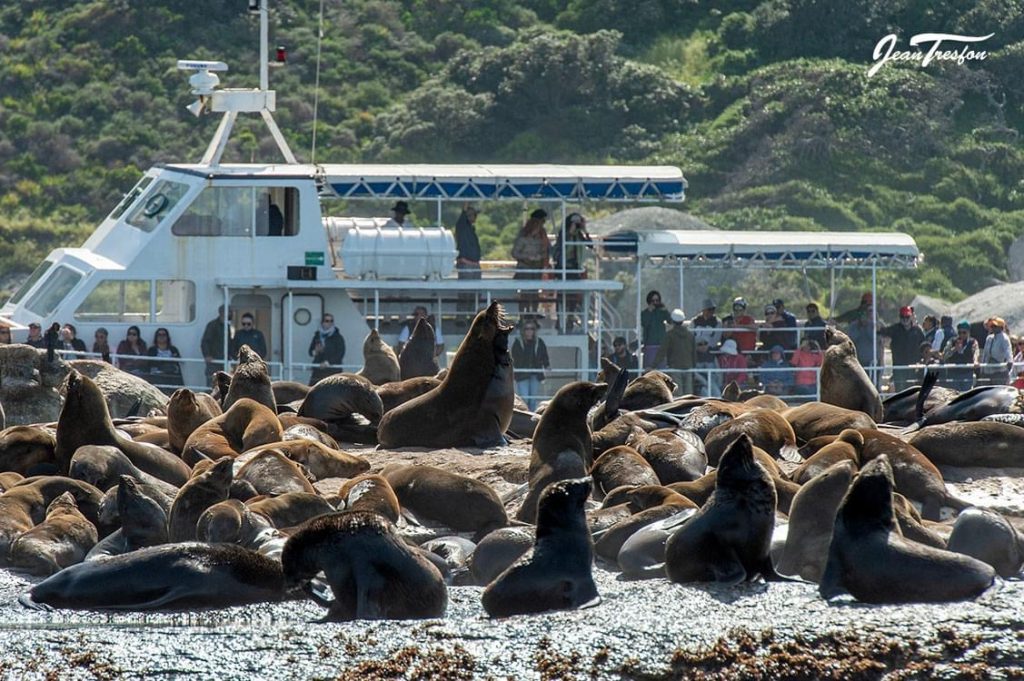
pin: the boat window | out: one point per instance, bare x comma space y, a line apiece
116, 301
130, 197
157, 204
175, 301
31, 281
54, 289
241, 211
128, 301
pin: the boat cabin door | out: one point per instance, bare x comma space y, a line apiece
297, 329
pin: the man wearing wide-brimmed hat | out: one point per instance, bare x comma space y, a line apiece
400, 216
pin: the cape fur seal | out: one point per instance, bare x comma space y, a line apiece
459, 502
472, 406
729, 538
765, 428
202, 491
61, 540
84, 420
418, 357
24, 505
869, 559
814, 419
844, 382
621, 466
246, 425
380, 364
172, 577
986, 535
373, 573
186, 411
393, 394
556, 574
973, 443
562, 445
676, 455
250, 379
29, 450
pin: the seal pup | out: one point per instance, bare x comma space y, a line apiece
172, 577
335, 398
458, 502
291, 509
143, 522
472, 406
186, 411
198, 494
85, 420
393, 394
986, 535
844, 382
562, 445
380, 363
621, 466
24, 505
870, 560
62, 539
556, 574
373, 574
371, 493
496, 552
418, 357
728, 540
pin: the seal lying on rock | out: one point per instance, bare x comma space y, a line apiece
61, 540
372, 572
556, 575
171, 577
472, 406
869, 559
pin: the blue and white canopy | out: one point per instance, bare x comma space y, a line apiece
769, 249
498, 182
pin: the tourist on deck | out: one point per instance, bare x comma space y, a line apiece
905, 338
961, 352
212, 343
653, 319
467, 243
773, 331
706, 383
327, 349
530, 359
70, 341
997, 355
678, 352
736, 364
101, 344
746, 337
852, 315
929, 327
945, 335
399, 216
419, 312
806, 357
530, 250
775, 374
789, 324
577, 240
35, 336
132, 346
162, 371
814, 327
705, 325
249, 335
622, 357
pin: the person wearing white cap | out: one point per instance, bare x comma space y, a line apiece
678, 352
734, 362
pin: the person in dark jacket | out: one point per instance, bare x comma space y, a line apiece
35, 336
467, 244
212, 343
905, 338
814, 327
249, 335
653, 319
162, 371
622, 357
70, 341
327, 349
678, 351
962, 351
529, 359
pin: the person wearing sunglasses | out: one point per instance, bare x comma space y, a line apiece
961, 352
249, 335
132, 346
162, 372
327, 349
905, 338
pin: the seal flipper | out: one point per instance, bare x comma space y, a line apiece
724, 564
26, 601
831, 584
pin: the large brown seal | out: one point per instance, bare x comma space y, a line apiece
562, 445
29, 450
270, 472
348, 404
814, 419
62, 539
620, 466
870, 560
291, 509
250, 379
373, 573
729, 538
418, 357
24, 505
986, 535
204, 490
846, 447
472, 406
172, 577
556, 575
371, 493
675, 455
84, 420
321, 461
380, 364
650, 390
972, 443
461, 503
246, 425
843, 380
767, 429
186, 411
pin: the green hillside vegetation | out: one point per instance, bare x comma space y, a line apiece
765, 105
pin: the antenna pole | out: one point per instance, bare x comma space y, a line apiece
264, 47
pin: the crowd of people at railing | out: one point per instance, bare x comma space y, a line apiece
780, 354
